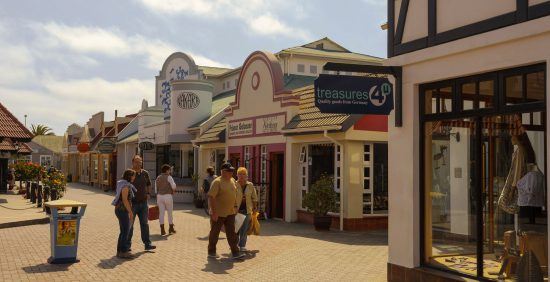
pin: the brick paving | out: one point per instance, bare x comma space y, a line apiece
14, 209
286, 251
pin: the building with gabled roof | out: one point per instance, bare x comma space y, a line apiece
13, 141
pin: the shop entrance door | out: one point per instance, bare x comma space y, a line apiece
277, 185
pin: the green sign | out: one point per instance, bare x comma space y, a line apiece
106, 146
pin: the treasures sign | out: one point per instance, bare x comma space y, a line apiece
353, 95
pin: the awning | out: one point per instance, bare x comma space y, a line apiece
216, 133
134, 138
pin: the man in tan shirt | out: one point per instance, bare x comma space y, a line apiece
222, 200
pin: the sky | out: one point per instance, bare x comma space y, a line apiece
63, 61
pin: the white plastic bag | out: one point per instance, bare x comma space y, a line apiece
239, 220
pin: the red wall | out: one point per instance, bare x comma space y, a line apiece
372, 123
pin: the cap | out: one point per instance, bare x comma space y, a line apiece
227, 166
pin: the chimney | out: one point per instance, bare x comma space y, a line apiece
116, 122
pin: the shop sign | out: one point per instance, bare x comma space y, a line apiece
269, 125
188, 100
146, 146
240, 128
353, 94
83, 147
106, 146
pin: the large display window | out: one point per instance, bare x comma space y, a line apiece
484, 164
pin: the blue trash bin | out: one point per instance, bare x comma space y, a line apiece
64, 229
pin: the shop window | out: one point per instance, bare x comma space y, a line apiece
46, 161
96, 169
105, 170
313, 69
321, 161
483, 172
247, 158
366, 153
172, 156
301, 68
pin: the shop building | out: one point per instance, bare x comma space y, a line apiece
469, 132
46, 150
286, 144
90, 155
13, 138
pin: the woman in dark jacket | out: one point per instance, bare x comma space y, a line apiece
123, 211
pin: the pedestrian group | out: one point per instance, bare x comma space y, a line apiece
231, 203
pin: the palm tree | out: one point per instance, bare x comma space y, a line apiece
41, 129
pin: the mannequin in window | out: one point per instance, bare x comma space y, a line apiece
531, 190
523, 155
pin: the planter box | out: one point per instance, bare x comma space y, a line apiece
374, 222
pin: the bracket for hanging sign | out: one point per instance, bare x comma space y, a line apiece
395, 71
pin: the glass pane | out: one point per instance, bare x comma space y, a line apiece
431, 102
366, 172
513, 162
450, 209
380, 178
446, 100
514, 92
486, 94
535, 86
366, 184
468, 96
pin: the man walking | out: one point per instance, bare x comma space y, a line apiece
142, 182
222, 199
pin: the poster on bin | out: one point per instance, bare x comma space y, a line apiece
66, 232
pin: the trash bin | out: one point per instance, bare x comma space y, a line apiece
64, 228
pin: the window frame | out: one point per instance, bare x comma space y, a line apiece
477, 116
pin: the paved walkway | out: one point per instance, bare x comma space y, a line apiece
14, 209
290, 252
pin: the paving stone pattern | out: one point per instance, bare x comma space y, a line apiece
285, 251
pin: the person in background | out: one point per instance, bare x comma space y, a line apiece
248, 203
210, 176
11, 178
123, 211
142, 182
222, 200
165, 189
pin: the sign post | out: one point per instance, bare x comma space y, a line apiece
353, 94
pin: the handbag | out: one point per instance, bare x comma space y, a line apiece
254, 228
153, 213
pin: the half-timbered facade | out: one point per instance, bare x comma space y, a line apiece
474, 80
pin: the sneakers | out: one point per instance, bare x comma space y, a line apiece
214, 255
238, 255
243, 249
150, 247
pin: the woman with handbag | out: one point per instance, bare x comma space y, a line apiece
165, 189
123, 211
248, 199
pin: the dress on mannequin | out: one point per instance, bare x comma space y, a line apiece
531, 193
508, 200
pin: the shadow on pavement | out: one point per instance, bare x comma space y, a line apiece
46, 268
219, 266
157, 237
114, 261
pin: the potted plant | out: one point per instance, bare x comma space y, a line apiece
197, 197
319, 200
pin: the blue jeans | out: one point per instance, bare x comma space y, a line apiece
242, 232
124, 224
141, 210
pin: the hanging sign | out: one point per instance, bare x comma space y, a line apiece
106, 146
145, 146
353, 94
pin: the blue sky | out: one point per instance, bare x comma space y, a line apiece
63, 61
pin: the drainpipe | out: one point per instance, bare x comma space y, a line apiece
325, 133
